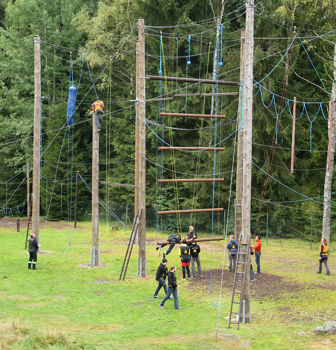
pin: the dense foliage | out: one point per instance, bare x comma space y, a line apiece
104, 33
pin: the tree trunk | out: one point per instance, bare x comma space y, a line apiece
330, 164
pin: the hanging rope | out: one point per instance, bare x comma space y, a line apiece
221, 46
93, 84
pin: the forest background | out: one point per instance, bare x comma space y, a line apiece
101, 36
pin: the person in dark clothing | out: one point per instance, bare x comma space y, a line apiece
33, 247
233, 250
161, 275
172, 239
184, 253
190, 236
172, 289
323, 256
252, 276
194, 251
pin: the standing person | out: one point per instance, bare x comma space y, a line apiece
33, 247
184, 253
173, 239
257, 252
191, 236
233, 250
161, 275
172, 289
252, 276
194, 251
323, 256
97, 108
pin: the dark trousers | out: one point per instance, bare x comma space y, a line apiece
233, 259
99, 114
257, 260
162, 283
33, 257
171, 246
193, 260
252, 276
174, 292
324, 261
184, 271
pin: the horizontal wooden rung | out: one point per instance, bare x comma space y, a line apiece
187, 211
189, 115
168, 148
192, 80
205, 94
191, 180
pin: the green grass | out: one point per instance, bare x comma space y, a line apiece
61, 306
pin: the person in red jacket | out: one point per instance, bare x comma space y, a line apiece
257, 252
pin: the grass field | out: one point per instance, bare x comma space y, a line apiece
65, 306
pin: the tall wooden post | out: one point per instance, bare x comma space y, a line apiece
330, 161
28, 191
37, 138
76, 199
247, 147
95, 258
141, 146
239, 175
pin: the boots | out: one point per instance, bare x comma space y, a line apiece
34, 267
29, 265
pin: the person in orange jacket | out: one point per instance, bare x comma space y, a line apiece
98, 110
323, 256
257, 252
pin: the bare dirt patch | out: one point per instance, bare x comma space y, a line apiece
267, 285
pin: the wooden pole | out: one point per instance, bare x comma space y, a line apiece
95, 258
141, 100
195, 240
76, 199
167, 148
188, 211
293, 135
37, 138
190, 180
190, 115
136, 165
247, 147
239, 176
191, 80
28, 191
330, 131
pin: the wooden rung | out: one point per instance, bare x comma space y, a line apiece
192, 80
208, 94
188, 115
166, 148
191, 180
187, 211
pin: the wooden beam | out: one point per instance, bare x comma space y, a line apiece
191, 180
188, 115
192, 80
205, 94
118, 184
166, 148
187, 211
195, 240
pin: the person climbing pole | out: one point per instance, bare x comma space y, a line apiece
190, 236
98, 110
194, 251
323, 256
173, 239
184, 253
172, 289
33, 247
257, 252
161, 275
232, 247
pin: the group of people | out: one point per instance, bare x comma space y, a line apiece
255, 250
